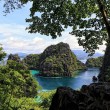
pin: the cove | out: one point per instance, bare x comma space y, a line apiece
82, 78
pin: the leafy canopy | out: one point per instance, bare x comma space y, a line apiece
15, 85
52, 17
2, 53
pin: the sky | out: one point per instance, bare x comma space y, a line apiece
14, 38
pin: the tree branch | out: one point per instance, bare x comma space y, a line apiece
104, 15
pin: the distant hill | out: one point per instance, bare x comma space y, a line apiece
82, 55
21, 55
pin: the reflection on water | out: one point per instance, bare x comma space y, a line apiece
83, 78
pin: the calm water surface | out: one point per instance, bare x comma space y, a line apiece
82, 78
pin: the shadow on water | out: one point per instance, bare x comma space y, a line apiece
83, 78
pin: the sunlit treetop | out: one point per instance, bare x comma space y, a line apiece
89, 19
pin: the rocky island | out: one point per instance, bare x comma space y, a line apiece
94, 62
59, 60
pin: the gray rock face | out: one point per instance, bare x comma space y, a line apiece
96, 96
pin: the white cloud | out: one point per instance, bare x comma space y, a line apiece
16, 39
15, 44
72, 41
102, 48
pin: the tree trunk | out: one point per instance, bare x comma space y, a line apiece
104, 71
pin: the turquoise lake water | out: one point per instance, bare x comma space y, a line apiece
82, 78
33, 72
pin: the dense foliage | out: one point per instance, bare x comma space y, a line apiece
58, 60
16, 84
46, 98
16, 65
94, 62
32, 61
18, 91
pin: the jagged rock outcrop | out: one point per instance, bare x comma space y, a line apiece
14, 57
58, 60
96, 96
94, 62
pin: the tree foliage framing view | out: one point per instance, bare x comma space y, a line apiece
89, 20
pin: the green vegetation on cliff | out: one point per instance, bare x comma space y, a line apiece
58, 60
94, 62
32, 61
